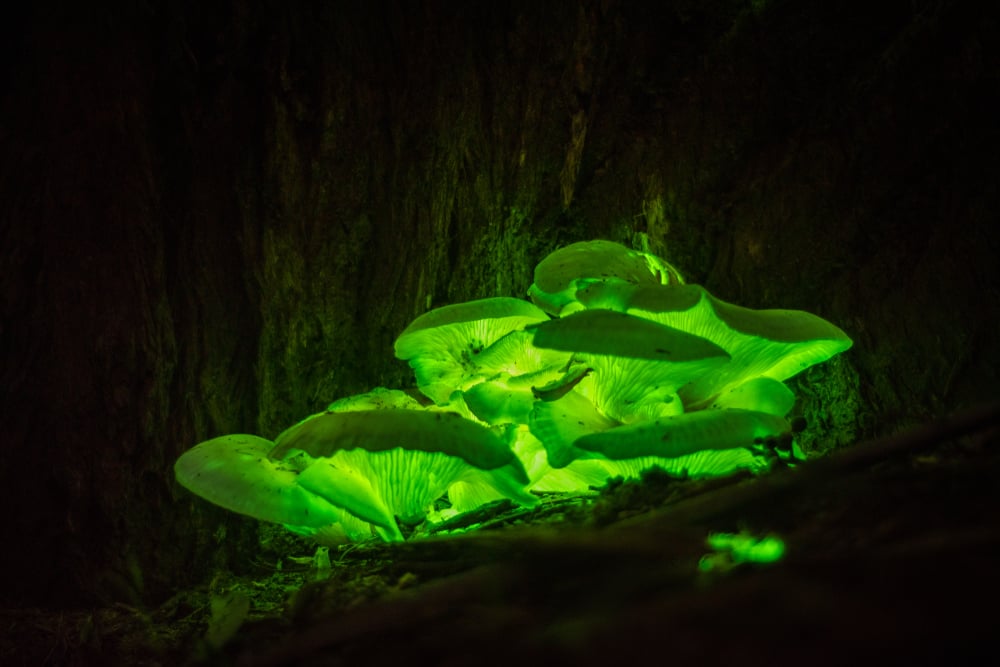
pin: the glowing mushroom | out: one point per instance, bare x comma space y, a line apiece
638, 365
685, 434
568, 269
234, 472
410, 458
704, 444
512, 368
775, 344
443, 345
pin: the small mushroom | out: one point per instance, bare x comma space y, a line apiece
378, 398
561, 424
684, 434
762, 394
410, 458
443, 345
511, 368
638, 365
234, 472
774, 343
568, 269
348, 488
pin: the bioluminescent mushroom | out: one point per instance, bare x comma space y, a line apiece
762, 394
638, 370
774, 343
683, 434
510, 369
378, 398
560, 274
443, 345
579, 476
234, 472
502, 400
410, 458
558, 424
346, 487
561, 424
638, 365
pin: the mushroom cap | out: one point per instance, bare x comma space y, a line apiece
684, 434
762, 394
560, 423
609, 333
515, 355
443, 345
500, 401
408, 481
380, 430
234, 472
769, 343
344, 487
699, 465
638, 365
378, 464
378, 398
561, 273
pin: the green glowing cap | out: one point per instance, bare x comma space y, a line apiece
443, 345
762, 343
561, 424
763, 394
699, 465
385, 463
638, 365
605, 332
558, 424
515, 354
234, 472
378, 398
378, 430
684, 434
500, 401
564, 271
344, 487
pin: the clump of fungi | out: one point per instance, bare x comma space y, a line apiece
615, 366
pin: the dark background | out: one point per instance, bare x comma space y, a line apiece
216, 217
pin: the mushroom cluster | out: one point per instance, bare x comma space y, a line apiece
614, 366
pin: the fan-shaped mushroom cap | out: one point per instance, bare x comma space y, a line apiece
409, 457
700, 465
564, 271
638, 365
762, 394
503, 400
561, 424
443, 345
380, 430
234, 472
762, 343
558, 424
344, 487
684, 434
378, 398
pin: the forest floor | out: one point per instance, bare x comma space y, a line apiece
891, 553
